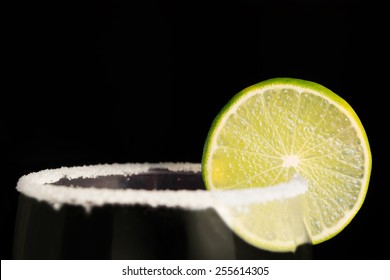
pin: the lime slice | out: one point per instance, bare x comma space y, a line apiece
281, 128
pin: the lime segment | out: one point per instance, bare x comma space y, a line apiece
278, 128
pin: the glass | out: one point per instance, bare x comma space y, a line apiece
125, 211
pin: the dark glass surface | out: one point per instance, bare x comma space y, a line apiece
154, 179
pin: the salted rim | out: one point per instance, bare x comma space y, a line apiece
39, 185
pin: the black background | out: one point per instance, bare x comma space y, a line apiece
113, 81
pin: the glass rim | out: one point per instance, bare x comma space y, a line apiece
40, 185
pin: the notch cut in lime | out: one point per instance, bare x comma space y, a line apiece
273, 130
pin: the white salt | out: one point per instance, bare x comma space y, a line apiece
40, 186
